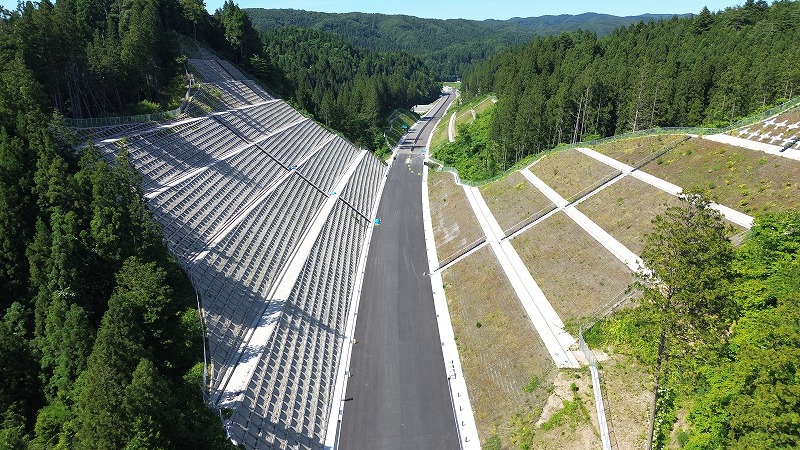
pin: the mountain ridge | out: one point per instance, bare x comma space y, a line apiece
462, 42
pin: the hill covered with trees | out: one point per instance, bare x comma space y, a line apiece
447, 46
345, 87
100, 335
709, 69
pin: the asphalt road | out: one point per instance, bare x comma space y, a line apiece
397, 396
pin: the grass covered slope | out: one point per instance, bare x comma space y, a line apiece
571, 173
455, 226
636, 151
514, 201
396, 121
747, 180
508, 371
626, 209
578, 276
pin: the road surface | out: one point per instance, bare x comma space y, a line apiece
398, 396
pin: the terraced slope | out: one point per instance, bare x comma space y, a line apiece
267, 211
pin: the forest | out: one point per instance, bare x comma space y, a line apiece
709, 69
100, 323
720, 326
100, 335
344, 87
448, 47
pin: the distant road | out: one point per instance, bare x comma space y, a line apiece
398, 396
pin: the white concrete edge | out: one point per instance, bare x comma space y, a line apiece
600, 408
755, 145
451, 128
257, 337
543, 317
464, 255
607, 160
554, 197
739, 218
346, 347
486, 214
227, 227
462, 408
616, 248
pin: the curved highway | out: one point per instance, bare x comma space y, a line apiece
398, 396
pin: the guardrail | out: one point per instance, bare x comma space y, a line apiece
94, 122
461, 252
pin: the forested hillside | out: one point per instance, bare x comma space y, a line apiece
100, 336
447, 46
720, 326
347, 88
709, 69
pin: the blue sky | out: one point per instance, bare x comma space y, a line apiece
480, 9
489, 9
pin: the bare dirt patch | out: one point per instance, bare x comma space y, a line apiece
455, 226
746, 180
571, 173
578, 275
507, 369
513, 200
569, 420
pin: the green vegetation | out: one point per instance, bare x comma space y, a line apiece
723, 330
571, 173
678, 72
749, 181
514, 201
507, 369
400, 120
578, 276
345, 87
457, 43
638, 150
473, 151
455, 226
626, 210
100, 337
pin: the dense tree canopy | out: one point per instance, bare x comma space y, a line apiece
345, 87
447, 46
731, 356
708, 69
99, 331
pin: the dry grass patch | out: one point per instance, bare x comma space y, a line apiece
626, 209
747, 180
513, 200
454, 224
578, 275
571, 173
627, 394
506, 366
632, 151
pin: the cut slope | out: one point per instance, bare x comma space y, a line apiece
507, 369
